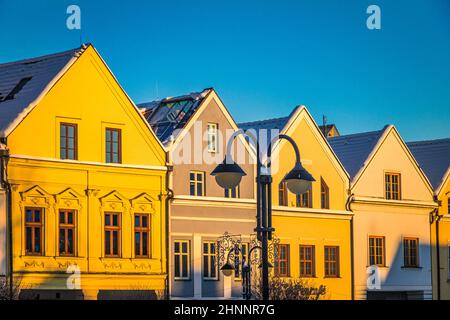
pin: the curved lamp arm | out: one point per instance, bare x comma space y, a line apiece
237, 133
291, 141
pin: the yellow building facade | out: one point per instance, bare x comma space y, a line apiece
87, 179
314, 230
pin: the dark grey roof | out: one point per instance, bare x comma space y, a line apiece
168, 116
354, 149
433, 157
22, 82
266, 130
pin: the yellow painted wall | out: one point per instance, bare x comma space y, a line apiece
2, 232
298, 226
316, 159
89, 96
327, 230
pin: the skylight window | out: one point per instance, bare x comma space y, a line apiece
16, 89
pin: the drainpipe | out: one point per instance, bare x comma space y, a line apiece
435, 217
168, 199
352, 247
4, 158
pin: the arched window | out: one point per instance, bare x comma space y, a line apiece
283, 194
324, 195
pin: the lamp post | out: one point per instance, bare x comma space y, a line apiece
229, 174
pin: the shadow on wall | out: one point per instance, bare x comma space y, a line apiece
400, 281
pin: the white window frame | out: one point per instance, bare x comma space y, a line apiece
181, 254
196, 182
212, 137
210, 255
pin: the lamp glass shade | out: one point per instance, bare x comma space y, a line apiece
229, 180
228, 175
227, 270
297, 186
299, 180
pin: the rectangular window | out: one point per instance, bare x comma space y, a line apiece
68, 142
393, 186
377, 251
209, 260
197, 183
282, 261
112, 234
324, 195
282, 194
233, 193
113, 145
212, 137
411, 252
142, 235
67, 233
331, 261
239, 259
34, 231
307, 261
304, 200
181, 259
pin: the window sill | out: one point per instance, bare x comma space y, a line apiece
332, 277
210, 279
181, 279
411, 268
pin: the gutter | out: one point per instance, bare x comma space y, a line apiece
435, 217
4, 158
168, 199
348, 207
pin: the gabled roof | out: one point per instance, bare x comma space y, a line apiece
353, 150
434, 158
286, 125
23, 82
276, 124
168, 116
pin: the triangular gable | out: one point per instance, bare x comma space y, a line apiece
129, 99
444, 182
13, 115
212, 95
31, 80
388, 130
302, 113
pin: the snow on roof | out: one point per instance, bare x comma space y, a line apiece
354, 149
22, 82
433, 157
170, 114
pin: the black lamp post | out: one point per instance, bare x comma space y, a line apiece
228, 175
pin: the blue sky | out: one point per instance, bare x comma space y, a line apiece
263, 57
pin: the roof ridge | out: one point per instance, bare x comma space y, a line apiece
187, 95
259, 121
47, 56
424, 142
358, 134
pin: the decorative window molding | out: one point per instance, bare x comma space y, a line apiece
68, 199
143, 203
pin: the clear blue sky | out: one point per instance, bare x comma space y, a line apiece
263, 57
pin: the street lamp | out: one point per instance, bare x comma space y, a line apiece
229, 174
246, 269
